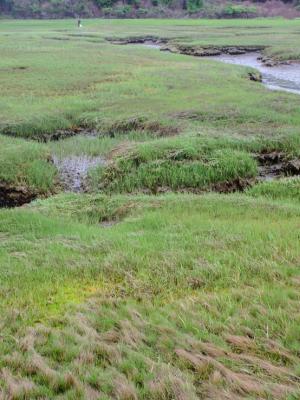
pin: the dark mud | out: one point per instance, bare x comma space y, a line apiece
236, 185
73, 171
149, 39
255, 76
210, 51
274, 165
165, 44
65, 134
292, 167
15, 196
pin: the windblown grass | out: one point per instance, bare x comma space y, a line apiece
191, 296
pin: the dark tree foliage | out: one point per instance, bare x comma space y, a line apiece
125, 8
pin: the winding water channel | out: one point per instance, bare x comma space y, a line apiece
280, 77
284, 77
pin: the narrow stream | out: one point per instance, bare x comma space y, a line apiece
280, 77
284, 77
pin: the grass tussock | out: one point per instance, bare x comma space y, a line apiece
176, 164
282, 189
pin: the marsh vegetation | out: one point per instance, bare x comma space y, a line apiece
148, 283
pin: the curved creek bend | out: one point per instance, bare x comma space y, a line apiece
284, 77
279, 77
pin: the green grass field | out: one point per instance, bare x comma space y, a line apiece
151, 285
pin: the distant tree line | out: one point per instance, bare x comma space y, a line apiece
128, 8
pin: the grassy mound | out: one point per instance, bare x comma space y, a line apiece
177, 163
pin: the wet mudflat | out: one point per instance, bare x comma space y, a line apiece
73, 171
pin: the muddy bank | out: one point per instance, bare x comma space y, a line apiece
73, 171
149, 39
72, 177
274, 165
45, 137
271, 165
197, 51
208, 51
15, 196
66, 133
172, 46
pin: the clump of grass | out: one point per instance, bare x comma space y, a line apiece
281, 189
88, 209
26, 164
38, 127
179, 163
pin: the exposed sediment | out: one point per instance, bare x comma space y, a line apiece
206, 51
191, 50
14, 196
274, 165
73, 171
66, 133
138, 40
50, 136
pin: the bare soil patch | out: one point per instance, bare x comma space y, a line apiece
274, 165
14, 196
73, 171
